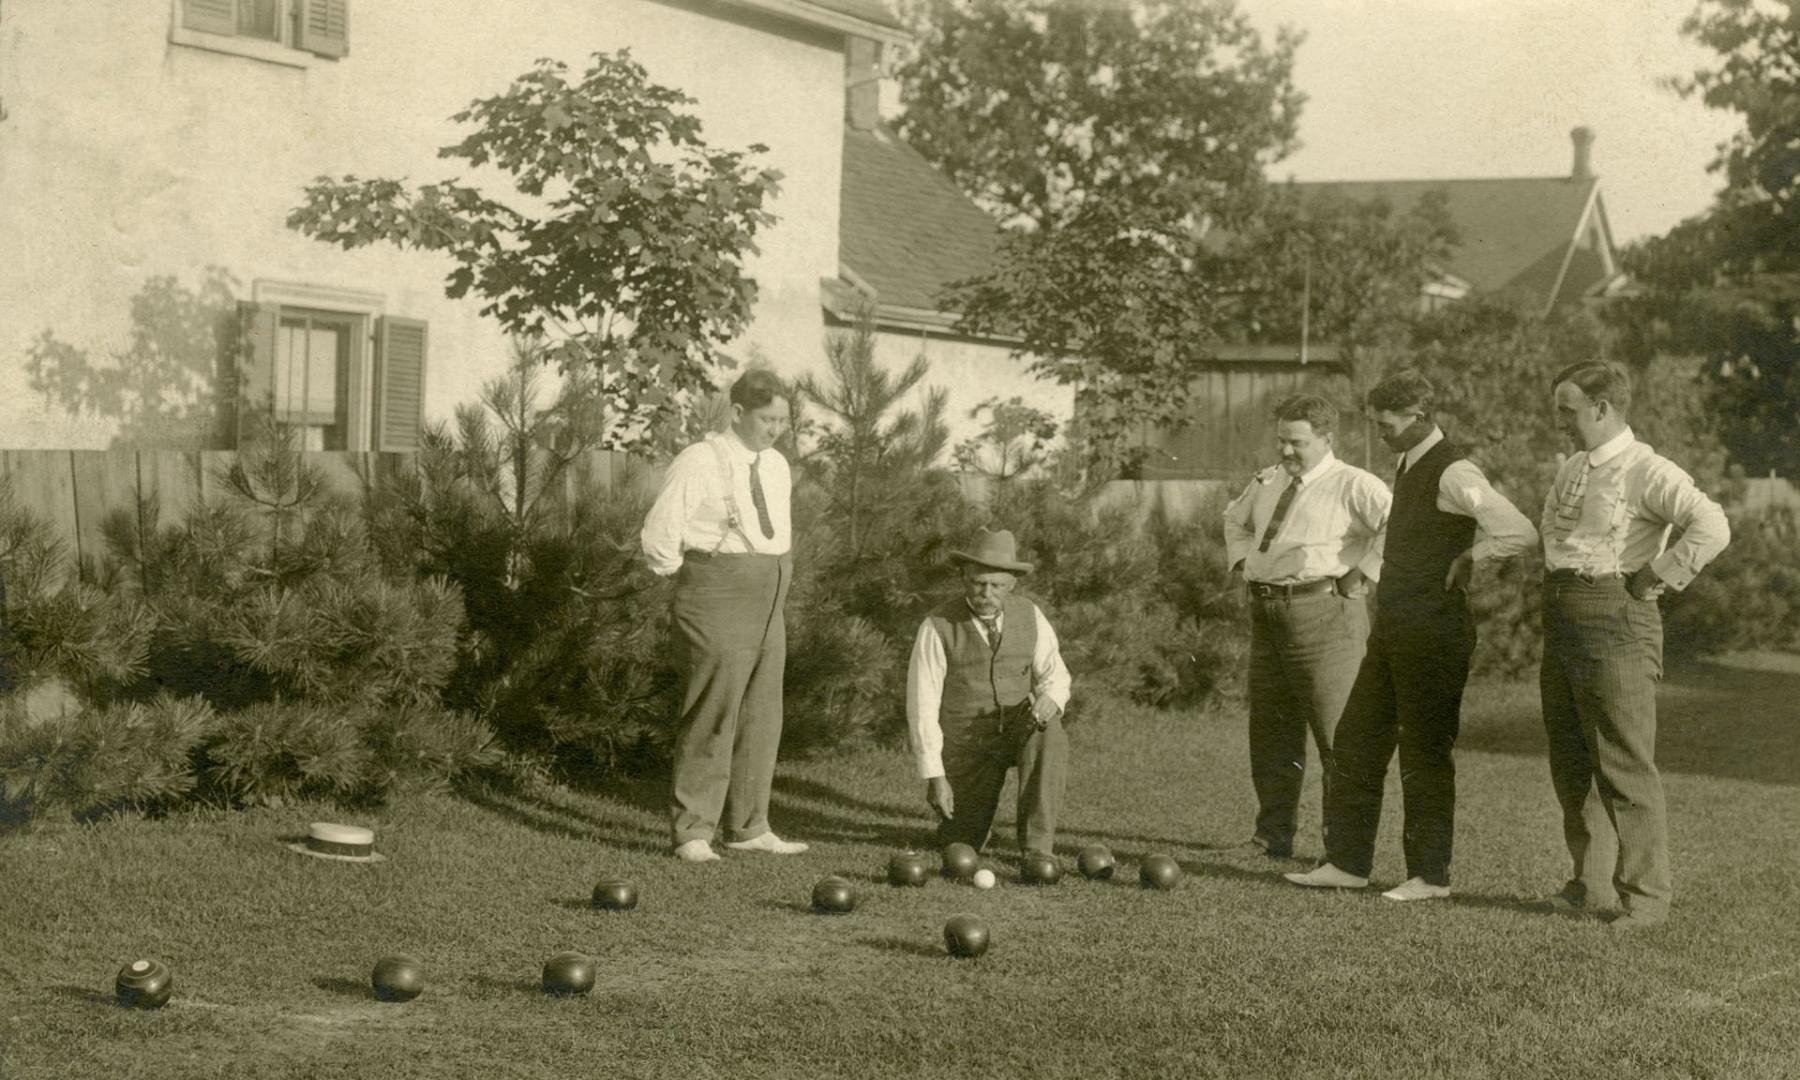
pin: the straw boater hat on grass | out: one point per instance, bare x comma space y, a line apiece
342, 843
993, 550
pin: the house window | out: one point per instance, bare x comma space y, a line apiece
313, 351
318, 27
328, 366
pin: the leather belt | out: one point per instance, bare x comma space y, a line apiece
1583, 576
1264, 590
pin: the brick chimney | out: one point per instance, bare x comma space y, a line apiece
862, 84
1583, 138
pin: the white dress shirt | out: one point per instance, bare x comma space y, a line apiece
692, 512
925, 685
1634, 498
1501, 531
1333, 526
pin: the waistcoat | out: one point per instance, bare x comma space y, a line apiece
978, 680
1422, 540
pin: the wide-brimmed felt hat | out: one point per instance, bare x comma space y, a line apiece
994, 550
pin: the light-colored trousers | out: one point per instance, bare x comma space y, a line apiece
733, 648
1602, 661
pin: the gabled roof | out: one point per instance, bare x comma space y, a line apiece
904, 230
1515, 234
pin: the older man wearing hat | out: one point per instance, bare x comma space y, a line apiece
985, 692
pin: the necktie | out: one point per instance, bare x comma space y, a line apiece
1400, 470
1568, 503
992, 623
761, 503
1281, 509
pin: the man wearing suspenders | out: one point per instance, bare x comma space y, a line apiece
720, 526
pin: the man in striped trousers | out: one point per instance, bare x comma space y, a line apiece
1606, 526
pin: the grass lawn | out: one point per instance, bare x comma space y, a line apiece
723, 970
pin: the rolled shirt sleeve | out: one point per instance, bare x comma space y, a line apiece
1671, 495
1501, 531
1049, 677
1369, 501
924, 693
666, 524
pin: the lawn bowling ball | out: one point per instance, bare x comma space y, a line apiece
1096, 863
1159, 872
965, 936
1037, 868
144, 984
568, 973
615, 895
834, 896
984, 879
398, 978
959, 861
908, 868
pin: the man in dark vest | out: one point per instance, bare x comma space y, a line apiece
1408, 691
985, 692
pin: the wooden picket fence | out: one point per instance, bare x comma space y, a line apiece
75, 491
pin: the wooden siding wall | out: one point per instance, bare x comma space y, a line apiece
1231, 434
75, 491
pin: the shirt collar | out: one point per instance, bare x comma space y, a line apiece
1325, 465
734, 446
1611, 448
1411, 457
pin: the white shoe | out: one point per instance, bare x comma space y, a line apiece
1417, 889
695, 851
769, 844
1327, 876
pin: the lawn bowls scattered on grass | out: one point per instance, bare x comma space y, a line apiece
568, 973
960, 861
1096, 862
1159, 872
983, 879
908, 868
615, 895
834, 896
966, 936
398, 978
144, 984
1037, 868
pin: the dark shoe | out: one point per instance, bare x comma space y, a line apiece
1270, 848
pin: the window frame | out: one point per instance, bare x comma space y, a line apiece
365, 310
286, 52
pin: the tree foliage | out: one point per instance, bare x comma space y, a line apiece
626, 251
1725, 285
1042, 108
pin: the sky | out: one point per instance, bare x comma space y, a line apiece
1438, 89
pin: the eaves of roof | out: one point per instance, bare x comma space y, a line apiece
860, 18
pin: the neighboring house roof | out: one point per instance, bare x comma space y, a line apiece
1526, 237
904, 231
863, 18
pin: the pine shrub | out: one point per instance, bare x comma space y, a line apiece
93, 760
273, 752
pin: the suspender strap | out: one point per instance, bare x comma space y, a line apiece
733, 519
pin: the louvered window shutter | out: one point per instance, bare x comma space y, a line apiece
324, 27
257, 326
399, 384
211, 16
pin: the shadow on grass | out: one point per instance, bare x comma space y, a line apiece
1711, 720
566, 822
902, 945
518, 985
339, 985
85, 994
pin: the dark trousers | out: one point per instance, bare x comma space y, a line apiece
1304, 652
977, 757
1602, 661
1408, 695
733, 649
